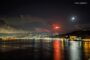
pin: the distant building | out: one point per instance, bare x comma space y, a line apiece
83, 34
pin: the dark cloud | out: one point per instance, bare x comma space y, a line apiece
28, 23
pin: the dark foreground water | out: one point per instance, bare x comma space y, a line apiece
43, 50
26, 50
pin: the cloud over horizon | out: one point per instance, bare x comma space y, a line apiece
28, 23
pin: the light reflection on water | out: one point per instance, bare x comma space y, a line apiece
5, 47
8, 46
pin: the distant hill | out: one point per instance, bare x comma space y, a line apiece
82, 33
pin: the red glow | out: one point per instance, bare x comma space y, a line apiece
56, 27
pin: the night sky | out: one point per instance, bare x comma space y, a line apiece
41, 15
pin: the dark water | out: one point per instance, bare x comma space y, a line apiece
41, 50
26, 50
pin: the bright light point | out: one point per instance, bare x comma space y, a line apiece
57, 27
73, 18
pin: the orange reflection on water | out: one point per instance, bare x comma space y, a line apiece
57, 50
87, 49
